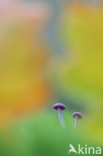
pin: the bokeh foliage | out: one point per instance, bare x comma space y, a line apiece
34, 77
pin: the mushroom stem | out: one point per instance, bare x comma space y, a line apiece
76, 121
61, 118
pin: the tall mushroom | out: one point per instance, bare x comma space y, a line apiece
60, 107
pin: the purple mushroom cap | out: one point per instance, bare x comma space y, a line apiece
59, 105
77, 114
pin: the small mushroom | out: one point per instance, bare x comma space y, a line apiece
60, 107
77, 116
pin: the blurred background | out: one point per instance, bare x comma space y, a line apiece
51, 51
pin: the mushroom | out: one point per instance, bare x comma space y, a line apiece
60, 107
77, 116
